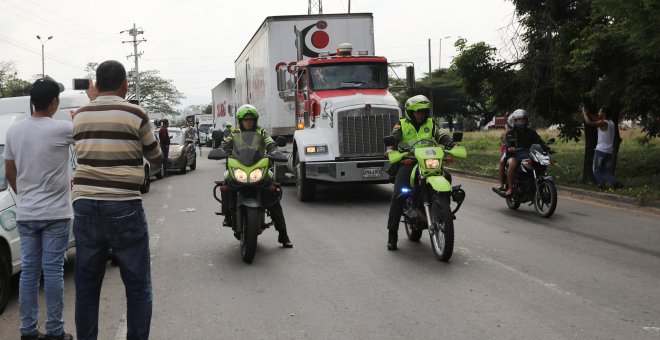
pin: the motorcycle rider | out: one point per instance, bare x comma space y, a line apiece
247, 116
518, 141
416, 125
500, 169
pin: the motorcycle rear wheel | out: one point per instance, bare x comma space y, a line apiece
545, 199
442, 240
250, 230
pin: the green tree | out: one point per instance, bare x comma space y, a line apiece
10, 85
157, 95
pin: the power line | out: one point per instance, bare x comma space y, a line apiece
100, 34
31, 50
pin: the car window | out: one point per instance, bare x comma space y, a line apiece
176, 137
3, 180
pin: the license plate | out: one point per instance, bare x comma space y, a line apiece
371, 173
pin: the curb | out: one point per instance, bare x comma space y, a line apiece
604, 196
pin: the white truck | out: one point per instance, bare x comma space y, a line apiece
224, 103
205, 127
336, 107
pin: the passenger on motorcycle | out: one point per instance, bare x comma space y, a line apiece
414, 126
503, 154
247, 116
518, 141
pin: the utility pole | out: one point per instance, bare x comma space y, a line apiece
430, 81
315, 5
43, 42
136, 72
349, 6
440, 52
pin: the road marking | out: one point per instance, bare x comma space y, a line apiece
121, 329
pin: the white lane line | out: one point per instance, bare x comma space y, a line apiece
121, 329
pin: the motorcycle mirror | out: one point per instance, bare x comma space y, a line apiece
457, 136
389, 140
218, 135
280, 141
217, 154
275, 157
550, 141
189, 141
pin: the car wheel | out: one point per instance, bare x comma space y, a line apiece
146, 184
193, 166
161, 173
184, 166
5, 276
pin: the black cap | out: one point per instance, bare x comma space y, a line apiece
43, 91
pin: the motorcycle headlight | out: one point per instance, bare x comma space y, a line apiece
240, 175
432, 163
256, 175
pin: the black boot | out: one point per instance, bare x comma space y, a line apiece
392, 239
227, 221
284, 239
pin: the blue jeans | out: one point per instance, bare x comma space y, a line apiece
121, 226
602, 168
43, 244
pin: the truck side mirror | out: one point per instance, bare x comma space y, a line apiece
410, 79
280, 141
281, 79
389, 140
457, 136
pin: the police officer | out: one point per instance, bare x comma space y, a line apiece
247, 116
416, 125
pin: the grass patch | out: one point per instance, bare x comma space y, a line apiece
638, 165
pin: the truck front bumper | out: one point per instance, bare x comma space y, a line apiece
349, 171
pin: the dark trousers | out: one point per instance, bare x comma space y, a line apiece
275, 210
122, 226
402, 179
166, 150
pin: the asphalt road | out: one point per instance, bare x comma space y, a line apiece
591, 271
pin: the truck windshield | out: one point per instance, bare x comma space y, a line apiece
204, 128
349, 76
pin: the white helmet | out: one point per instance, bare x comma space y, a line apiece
518, 114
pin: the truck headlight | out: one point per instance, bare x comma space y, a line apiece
256, 175
316, 149
240, 175
432, 163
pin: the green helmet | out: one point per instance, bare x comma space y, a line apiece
247, 111
417, 103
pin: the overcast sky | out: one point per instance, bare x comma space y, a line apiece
194, 43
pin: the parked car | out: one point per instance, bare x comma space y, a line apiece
182, 151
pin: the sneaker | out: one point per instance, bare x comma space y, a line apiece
63, 336
38, 336
284, 239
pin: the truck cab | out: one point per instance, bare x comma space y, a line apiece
343, 110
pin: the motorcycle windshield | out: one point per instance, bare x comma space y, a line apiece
249, 147
423, 143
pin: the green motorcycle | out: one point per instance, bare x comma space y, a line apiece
248, 186
426, 202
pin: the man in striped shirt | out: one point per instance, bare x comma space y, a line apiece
111, 137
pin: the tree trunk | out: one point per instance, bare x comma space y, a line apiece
590, 141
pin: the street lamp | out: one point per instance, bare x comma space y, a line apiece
43, 42
440, 51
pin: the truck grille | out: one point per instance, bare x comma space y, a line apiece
361, 133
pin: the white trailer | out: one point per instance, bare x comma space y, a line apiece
274, 43
223, 103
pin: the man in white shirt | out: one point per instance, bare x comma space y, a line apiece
602, 166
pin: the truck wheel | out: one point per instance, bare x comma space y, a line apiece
305, 188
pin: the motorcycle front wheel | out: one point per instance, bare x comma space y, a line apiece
250, 224
414, 234
545, 199
442, 239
